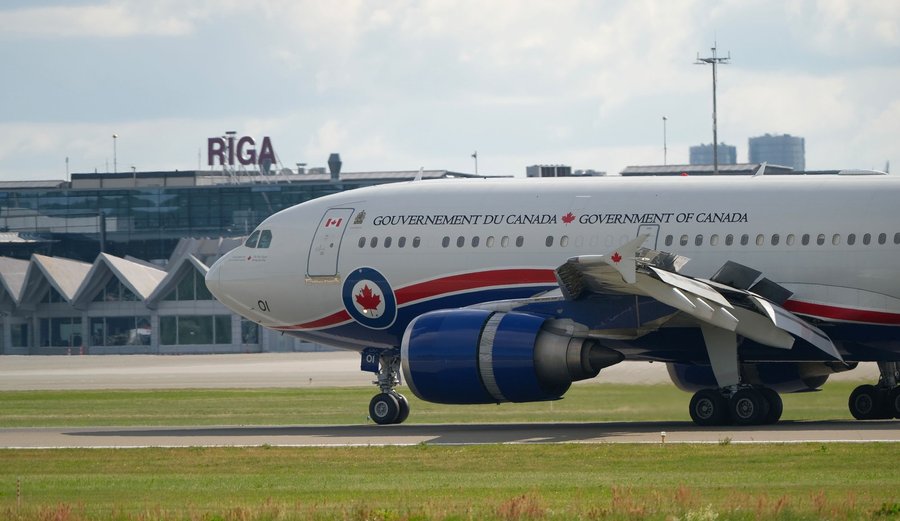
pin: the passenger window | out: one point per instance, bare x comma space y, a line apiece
897, 238
401, 242
460, 241
446, 242
714, 240
805, 239
882, 238
729, 240
475, 241
760, 239
698, 240
790, 239
564, 241
520, 241
373, 242
549, 241
775, 239
504, 242
669, 239
362, 242
745, 239
867, 238
820, 239
490, 241
684, 240
417, 241
836, 239
851, 239
387, 242
251, 241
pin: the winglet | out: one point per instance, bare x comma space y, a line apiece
623, 258
419, 175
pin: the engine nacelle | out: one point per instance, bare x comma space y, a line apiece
784, 377
472, 356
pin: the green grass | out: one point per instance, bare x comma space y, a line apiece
583, 403
572, 481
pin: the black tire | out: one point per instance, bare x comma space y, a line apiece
384, 409
865, 402
893, 402
708, 408
748, 407
776, 406
404, 409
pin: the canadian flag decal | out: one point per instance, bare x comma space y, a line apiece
616, 257
333, 222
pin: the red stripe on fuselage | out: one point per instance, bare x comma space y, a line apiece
843, 314
474, 280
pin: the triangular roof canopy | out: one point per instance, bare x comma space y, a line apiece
137, 277
12, 279
63, 275
180, 269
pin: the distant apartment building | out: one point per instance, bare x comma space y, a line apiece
703, 154
785, 150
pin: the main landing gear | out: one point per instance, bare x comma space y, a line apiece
737, 405
880, 401
389, 406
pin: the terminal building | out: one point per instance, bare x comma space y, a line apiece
115, 263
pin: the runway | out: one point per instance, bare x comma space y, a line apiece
455, 434
342, 369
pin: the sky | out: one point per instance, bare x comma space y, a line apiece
404, 84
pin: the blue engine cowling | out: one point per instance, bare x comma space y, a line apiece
473, 356
781, 376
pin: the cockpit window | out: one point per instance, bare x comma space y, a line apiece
251, 241
265, 239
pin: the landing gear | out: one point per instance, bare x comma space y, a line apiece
389, 406
744, 405
878, 402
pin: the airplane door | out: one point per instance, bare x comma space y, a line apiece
323, 252
652, 232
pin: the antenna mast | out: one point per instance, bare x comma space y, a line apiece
714, 60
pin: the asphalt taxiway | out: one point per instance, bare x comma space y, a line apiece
455, 434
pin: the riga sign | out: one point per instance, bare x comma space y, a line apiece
226, 150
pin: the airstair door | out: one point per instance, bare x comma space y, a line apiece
326, 244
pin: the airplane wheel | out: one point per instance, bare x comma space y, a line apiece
404, 409
776, 406
748, 407
708, 407
866, 402
893, 402
384, 409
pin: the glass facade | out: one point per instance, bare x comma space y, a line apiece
120, 331
195, 329
145, 222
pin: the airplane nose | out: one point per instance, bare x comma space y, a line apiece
213, 282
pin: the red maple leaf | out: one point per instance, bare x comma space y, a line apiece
367, 299
616, 257
569, 217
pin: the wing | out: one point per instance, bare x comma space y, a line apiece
721, 311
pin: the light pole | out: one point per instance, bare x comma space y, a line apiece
475, 157
714, 60
115, 166
665, 148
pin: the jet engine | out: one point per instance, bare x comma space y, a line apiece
473, 356
783, 377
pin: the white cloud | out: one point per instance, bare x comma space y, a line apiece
112, 20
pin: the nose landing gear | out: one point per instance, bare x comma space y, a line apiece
388, 407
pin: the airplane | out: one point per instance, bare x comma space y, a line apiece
488, 290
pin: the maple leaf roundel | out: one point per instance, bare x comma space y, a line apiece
369, 299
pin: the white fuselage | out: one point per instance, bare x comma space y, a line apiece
832, 240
